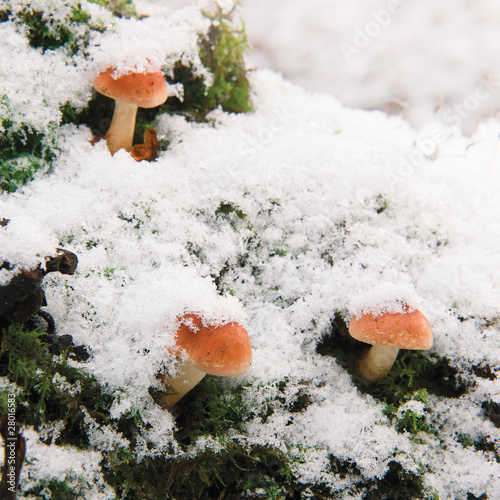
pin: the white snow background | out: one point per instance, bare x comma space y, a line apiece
310, 174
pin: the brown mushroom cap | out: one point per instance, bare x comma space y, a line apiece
146, 90
407, 330
217, 350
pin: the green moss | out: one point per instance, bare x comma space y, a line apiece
222, 52
396, 484
55, 490
231, 213
414, 371
97, 115
227, 468
193, 102
231, 468
343, 468
409, 420
228, 214
227, 208
43, 33
49, 388
78, 15
382, 204
225, 473
206, 410
336, 342
286, 395
399, 484
489, 445
23, 152
14, 174
47, 31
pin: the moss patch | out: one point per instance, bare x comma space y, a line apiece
222, 52
49, 388
23, 152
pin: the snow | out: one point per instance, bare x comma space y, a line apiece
422, 59
45, 462
311, 176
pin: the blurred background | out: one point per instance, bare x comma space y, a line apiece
423, 60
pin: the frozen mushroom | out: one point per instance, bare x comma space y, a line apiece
129, 91
387, 333
222, 350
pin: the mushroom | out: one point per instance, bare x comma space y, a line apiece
222, 350
387, 332
129, 91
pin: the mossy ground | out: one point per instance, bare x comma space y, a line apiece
49, 390
24, 151
222, 52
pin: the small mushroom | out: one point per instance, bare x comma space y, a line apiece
222, 350
387, 333
130, 91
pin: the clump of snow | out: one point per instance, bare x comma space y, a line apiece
78, 469
385, 298
25, 243
133, 44
28, 90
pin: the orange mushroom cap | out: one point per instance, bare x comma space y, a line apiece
406, 330
217, 350
146, 90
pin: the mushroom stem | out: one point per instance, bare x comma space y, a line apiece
376, 363
121, 130
179, 385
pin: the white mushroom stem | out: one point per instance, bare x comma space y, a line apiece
187, 377
121, 131
376, 363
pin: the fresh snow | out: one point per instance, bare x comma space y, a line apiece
310, 174
422, 59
